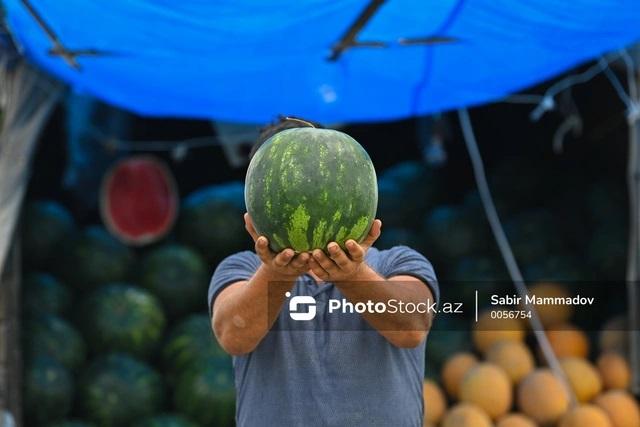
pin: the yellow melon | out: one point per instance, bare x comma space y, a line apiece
614, 335
586, 416
621, 407
454, 370
614, 370
551, 314
542, 397
568, 341
488, 387
435, 402
488, 331
466, 415
512, 356
516, 420
583, 378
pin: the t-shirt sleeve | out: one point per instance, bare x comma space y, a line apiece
404, 261
234, 268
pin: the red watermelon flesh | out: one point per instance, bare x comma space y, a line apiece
139, 200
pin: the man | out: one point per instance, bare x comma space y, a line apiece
336, 368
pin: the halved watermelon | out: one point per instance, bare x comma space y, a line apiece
139, 200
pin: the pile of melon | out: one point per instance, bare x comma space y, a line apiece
504, 380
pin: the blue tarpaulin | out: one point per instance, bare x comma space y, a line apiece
249, 60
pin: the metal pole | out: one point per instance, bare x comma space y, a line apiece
633, 278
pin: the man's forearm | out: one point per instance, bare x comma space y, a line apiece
247, 310
404, 330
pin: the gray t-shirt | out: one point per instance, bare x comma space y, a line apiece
332, 370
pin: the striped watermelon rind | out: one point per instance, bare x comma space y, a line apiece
306, 187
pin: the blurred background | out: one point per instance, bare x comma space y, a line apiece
124, 147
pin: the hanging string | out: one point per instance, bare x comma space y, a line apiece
505, 249
118, 144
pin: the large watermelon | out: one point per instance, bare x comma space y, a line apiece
306, 187
449, 335
534, 235
166, 420
563, 267
48, 391
189, 343
93, 258
49, 335
46, 224
43, 293
211, 221
451, 232
117, 390
471, 273
206, 394
607, 251
394, 236
121, 317
139, 200
177, 275
406, 191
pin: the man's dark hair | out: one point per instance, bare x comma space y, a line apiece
283, 123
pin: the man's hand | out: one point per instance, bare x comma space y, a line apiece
285, 264
340, 266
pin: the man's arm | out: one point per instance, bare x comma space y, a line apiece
360, 283
402, 330
244, 311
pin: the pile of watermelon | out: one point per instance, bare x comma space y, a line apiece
120, 336
117, 336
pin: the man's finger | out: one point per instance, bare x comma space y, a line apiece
325, 262
338, 256
356, 251
262, 249
248, 225
374, 233
300, 261
283, 258
317, 269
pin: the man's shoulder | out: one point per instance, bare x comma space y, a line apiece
375, 253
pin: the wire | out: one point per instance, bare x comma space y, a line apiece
505, 248
162, 145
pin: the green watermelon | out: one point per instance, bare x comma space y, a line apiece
306, 187
46, 224
206, 394
606, 202
448, 336
451, 232
166, 420
122, 317
117, 390
94, 258
189, 343
534, 235
211, 221
480, 269
48, 391
405, 191
561, 267
43, 293
607, 251
482, 273
49, 335
178, 276
394, 236
72, 423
